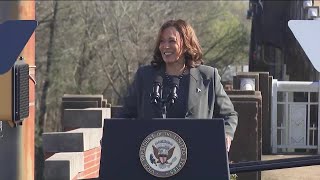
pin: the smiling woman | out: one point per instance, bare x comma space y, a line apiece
177, 46
177, 79
171, 46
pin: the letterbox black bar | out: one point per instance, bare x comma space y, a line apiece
274, 164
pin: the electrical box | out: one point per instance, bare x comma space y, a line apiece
14, 93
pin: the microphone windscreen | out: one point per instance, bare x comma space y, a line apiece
175, 81
158, 79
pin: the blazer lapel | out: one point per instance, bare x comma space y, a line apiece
196, 87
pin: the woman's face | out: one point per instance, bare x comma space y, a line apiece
171, 45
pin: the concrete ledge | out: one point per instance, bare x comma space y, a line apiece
85, 118
78, 140
83, 97
63, 166
79, 105
115, 110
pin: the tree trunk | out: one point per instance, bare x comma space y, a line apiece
46, 84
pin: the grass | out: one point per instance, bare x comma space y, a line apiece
233, 177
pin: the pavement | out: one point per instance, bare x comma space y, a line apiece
299, 173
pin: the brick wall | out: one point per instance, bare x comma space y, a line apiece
75, 153
91, 164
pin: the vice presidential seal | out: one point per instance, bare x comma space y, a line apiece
163, 153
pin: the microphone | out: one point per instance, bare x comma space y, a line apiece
156, 89
173, 93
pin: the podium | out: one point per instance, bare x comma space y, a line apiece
177, 149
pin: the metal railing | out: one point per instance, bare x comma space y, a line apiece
274, 164
295, 120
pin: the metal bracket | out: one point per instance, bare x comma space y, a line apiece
1, 130
32, 72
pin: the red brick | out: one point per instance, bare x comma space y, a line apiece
91, 163
92, 151
90, 170
93, 174
92, 157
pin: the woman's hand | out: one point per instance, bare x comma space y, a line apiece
228, 142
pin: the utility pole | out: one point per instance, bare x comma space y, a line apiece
17, 144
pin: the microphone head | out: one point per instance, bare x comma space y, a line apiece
156, 89
158, 80
175, 81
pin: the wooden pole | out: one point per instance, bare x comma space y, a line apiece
26, 11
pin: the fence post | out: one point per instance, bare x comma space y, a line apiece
274, 107
318, 117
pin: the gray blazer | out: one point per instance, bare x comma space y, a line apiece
211, 101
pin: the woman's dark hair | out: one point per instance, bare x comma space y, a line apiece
193, 52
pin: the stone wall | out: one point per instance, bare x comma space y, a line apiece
75, 152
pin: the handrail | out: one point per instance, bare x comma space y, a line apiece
298, 86
274, 164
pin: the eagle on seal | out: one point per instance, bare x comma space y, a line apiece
163, 156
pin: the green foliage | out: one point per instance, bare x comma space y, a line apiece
233, 177
229, 43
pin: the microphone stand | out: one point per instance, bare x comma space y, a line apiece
164, 108
170, 99
163, 105
159, 100
163, 102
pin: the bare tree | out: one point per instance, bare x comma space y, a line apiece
46, 81
98, 45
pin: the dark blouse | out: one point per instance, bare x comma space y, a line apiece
179, 108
